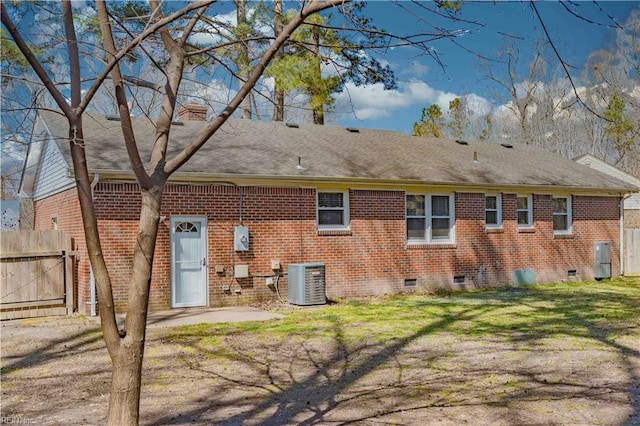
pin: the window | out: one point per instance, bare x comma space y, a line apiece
525, 211
333, 209
186, 227
561, 215
493, 210
416, 217
430, 218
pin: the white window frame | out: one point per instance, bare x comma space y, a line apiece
529, 211
568, 213
344, 209
498, 210
428, 217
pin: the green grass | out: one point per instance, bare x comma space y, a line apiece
581, 310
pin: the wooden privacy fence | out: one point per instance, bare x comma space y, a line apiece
632, 251
37, 271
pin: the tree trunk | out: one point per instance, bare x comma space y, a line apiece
243, 55
126, 379
278, 97
317, 107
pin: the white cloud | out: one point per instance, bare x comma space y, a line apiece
218, 92
14, 149
477, 105
219, 29
444, 99
207, 34
371, 102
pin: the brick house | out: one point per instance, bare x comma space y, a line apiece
632, 201
384, 212
631, 216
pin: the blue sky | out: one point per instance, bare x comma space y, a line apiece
423, 82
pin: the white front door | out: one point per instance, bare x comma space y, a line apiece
188, 261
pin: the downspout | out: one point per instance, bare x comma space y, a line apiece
92, 278
622, 233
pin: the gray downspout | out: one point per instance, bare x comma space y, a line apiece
624, 197
92, 278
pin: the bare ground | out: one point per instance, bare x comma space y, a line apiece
56, 371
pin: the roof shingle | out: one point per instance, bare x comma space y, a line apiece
271, 149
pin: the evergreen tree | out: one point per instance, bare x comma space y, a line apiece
431, 123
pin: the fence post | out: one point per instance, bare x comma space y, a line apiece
69, 283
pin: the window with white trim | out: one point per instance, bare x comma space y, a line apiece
561, 215
493, 210
430, 218
525, 211
333, 209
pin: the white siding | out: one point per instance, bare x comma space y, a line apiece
52, 175
631, 203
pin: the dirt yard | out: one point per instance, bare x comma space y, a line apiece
56, 371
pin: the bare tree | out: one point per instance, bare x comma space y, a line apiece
278, 95
612, 78
126, 346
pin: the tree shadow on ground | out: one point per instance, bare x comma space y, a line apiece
40, 349
317, 392
312, 386
44, 363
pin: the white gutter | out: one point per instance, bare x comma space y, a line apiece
92, 278
303, 181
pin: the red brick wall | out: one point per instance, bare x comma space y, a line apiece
372, 257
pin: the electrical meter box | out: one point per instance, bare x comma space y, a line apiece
241, 238
603, 261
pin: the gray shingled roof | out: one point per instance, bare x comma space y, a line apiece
271, 149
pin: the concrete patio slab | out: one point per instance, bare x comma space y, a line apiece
191, 316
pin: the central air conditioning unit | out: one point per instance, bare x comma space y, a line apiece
306, 284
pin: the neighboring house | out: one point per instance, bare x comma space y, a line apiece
631, 201
384, 212
631, 213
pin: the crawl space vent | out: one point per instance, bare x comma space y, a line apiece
410, 282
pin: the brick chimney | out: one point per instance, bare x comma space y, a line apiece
192, 112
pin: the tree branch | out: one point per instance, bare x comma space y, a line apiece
144, 83
135, 42
33, 61
183, 156
72, 53
562, 62
121, 99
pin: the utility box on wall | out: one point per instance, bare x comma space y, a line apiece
602, 267
241, 238
524, 276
